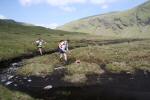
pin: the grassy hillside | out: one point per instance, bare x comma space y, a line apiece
131, 23
17, 39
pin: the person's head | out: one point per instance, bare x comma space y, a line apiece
68, 40
39, 38
60, 40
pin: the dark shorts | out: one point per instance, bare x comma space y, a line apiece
61, 51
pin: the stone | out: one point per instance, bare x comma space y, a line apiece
48, 87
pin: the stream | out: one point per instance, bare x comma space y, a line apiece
108, 86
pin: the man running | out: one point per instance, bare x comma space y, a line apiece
63, 48
39, 44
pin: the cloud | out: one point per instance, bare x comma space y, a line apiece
51, 26
2, 17
103, 3
105, 6
65, 4
51, 2
30, 2
68, 9
25, 2
61, 4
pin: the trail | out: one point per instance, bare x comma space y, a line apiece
106, 86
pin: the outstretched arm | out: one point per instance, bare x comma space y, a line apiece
34, 42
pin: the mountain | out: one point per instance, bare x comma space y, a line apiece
130, 22
10, 26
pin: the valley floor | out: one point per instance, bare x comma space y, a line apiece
119, 68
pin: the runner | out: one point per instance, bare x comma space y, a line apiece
63, 49
39, 44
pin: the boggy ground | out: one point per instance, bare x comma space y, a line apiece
118, 71
100, 87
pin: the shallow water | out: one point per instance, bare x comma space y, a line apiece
108, 86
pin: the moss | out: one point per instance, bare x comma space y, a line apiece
6, 94
118, 67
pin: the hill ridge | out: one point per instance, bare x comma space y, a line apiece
135, 20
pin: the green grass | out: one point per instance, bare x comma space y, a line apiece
6, 94
17, 39
130, 23
117, 58
77, 72
39, 66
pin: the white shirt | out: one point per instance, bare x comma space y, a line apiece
63, 45
39, 43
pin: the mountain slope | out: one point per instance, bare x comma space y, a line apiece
136, 20
17, 39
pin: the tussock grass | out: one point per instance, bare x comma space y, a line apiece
39, 66
36, 69
77, 71
83, 67
115, 58
6, 94
117, 67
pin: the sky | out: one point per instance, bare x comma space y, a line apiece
53, 13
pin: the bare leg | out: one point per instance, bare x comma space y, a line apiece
65, 57
40, 50
61, 55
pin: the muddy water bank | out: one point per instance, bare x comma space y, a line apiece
8, 62
107, 86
